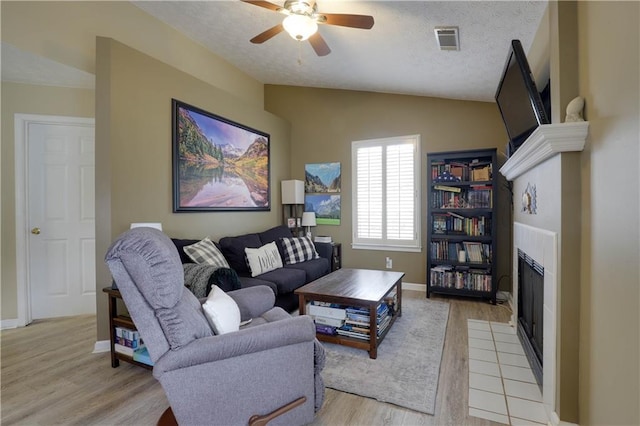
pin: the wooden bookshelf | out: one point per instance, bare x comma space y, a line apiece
461, 223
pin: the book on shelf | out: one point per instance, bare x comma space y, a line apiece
325, 329
322, 239
333, 322
326, 311
447, 188
122, 349
142, 355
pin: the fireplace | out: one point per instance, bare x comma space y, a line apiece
531, 311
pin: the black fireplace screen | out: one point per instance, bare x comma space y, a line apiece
530, 310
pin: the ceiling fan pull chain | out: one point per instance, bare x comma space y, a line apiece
299, 53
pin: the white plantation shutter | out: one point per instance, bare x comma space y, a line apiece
386, 212
369, 192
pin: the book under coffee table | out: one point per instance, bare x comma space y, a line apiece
365, 288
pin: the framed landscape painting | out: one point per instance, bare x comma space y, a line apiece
218, 164
325, 206
322, 178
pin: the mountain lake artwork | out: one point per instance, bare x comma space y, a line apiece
322, 182
218, 164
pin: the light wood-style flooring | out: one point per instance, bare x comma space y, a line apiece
49, 376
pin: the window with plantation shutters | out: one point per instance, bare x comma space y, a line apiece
386, 204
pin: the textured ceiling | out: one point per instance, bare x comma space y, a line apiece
398, 55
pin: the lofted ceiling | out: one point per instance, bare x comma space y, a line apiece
398, 55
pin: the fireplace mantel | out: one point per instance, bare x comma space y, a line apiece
545, 142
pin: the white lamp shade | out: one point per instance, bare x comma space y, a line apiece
292, 192
154, 225
308, 219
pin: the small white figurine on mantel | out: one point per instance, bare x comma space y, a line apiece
574, 110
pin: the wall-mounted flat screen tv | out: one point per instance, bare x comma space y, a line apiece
518, 99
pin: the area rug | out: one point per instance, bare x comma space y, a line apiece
408, 365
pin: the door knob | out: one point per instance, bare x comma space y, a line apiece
35, 231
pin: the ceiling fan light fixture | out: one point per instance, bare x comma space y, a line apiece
300, 27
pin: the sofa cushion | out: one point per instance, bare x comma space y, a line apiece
298, 249
180, 244
205, 252
233, 250
263, 259
276, 234
246, 281
285, 279
221, 311
313, 269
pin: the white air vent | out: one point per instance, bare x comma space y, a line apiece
447, 38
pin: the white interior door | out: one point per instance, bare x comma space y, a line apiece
61, 219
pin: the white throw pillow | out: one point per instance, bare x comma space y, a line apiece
263, 259
221, 311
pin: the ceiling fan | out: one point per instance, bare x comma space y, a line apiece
302, 19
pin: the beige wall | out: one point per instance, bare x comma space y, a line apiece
610, 292
133, 152
27, 99
325, 122
65, 31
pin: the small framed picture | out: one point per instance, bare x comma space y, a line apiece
291, 222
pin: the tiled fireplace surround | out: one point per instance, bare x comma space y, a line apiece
543, 245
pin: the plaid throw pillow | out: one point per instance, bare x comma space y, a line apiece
205, 252
298, 249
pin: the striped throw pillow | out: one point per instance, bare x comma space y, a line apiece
206, 252
298, 249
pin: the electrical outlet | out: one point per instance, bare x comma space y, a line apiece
389, 263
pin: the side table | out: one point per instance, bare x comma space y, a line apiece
116, 320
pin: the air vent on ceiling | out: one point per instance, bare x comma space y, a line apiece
447, 38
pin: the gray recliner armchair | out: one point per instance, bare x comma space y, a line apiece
268, 371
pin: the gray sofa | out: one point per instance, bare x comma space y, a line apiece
283, 281
271, 365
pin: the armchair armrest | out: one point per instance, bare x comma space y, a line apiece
253, 301
324, 250
253, 339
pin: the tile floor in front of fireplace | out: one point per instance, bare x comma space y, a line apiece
502, 387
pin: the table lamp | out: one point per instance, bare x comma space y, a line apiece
309, 220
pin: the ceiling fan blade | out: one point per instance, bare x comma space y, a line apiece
265, 4
266, 35
319, 45
364, 22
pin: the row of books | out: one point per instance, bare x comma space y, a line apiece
357, 324
459, 278
451, 251
453, 223
128, 342
464, 171
477, 197
351, 321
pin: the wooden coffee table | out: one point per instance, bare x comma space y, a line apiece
355, 287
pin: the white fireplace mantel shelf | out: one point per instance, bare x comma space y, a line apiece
545, 142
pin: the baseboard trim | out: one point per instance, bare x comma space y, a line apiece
414, 286
101, 346
9, 323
